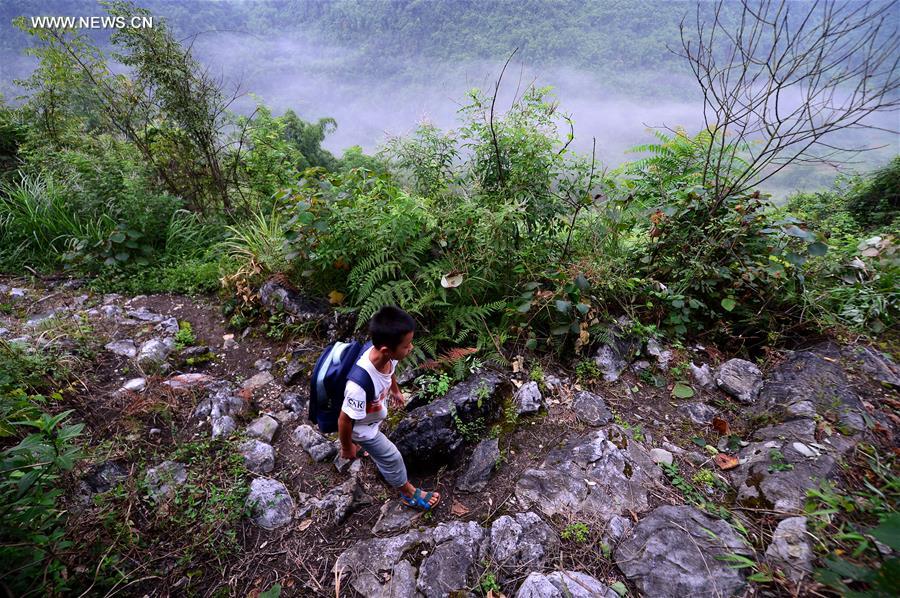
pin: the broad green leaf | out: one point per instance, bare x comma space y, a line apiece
563, 306
818, 249
888, 531
728, 303
525, 307
682, 391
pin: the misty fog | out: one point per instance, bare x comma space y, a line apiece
287, 68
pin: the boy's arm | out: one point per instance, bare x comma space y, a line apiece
396, 395
345, 434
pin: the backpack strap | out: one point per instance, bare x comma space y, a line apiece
362, 378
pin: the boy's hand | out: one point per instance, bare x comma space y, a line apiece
397, 400
348, 453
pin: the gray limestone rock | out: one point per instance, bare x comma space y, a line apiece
373, 564
318, 447
259, 457
396, 517
270, 503
144, 315
263, 365
223, 426
661, 456
293, 401
257, 381
663, 356
876, 364
153, 353
454, 564
522, 543
699, 413
103, 477
604, 473
264, 428
125, 348
528, 398
672, 552
564, 584
790, 548
429, 436
703, 376
188, 381
162, 480
169, 326
340, 501
741, 379
481, 466
591, 408
134, 385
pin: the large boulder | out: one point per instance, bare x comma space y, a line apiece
875, 364
602, 474
676, 551
382, 567
785, 460
429, 436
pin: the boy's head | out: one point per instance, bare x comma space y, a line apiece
392, 330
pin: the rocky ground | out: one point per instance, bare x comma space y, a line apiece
646, 472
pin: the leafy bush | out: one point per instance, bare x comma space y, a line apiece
32, 531
877, 202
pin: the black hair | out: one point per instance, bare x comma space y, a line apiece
389, 325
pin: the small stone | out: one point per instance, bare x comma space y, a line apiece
270, 503
806, 451
318, 447
699, 413
155, 433
111, 311
263, 364
800, 409
135, 385
193, 352
125, 348
228, 342
162, 479
395, 517
528, 398
111, 298
293, 401
661, 456
790, 548
741, 379
258, 381
185, 381
703, 376
168, 326
285, 416
591, 409
481, 466
153, 353
263, 428
223, 426
259, 457
16, 293
564, 584
144, 315
617, 527
663, 356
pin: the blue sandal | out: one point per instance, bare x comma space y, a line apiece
418, 501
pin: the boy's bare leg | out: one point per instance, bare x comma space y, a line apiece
408, 490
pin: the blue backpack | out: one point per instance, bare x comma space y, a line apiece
335, 366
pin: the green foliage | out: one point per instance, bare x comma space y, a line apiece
577, 532
489, 583
433, 386
777, 462
185, 335
877, 202
587, 370
32, 531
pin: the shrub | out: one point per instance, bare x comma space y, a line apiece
877, 202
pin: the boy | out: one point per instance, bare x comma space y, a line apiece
391, 330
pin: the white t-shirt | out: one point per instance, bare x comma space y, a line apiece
366, 419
